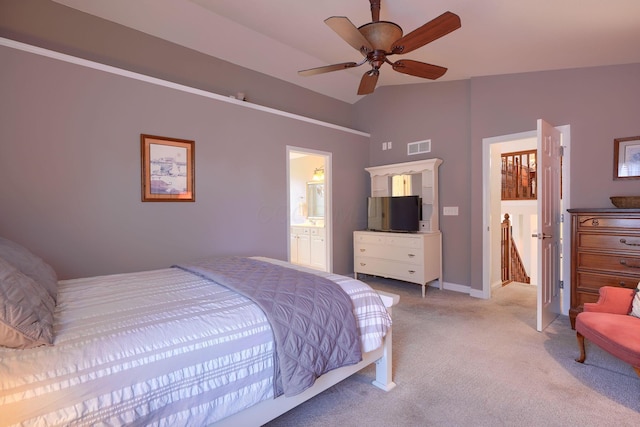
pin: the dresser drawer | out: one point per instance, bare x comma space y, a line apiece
594, 281
606, 242
602, 222
582, 297
392, 269
380, 238
411, 255
609, 262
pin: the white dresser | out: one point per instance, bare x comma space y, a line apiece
412, 257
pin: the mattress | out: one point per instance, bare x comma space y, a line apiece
162, 347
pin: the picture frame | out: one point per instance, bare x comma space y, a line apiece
626, 158
168, 169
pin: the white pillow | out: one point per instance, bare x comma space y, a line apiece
635, 308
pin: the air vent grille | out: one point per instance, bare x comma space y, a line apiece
419, 147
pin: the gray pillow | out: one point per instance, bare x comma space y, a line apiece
30, 265
26, 310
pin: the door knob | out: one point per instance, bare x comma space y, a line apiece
542, 236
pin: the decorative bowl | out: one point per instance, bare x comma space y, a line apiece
626, 202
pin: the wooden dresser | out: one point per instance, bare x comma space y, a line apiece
605, 251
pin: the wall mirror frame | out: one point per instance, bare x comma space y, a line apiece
424, 183
315, 200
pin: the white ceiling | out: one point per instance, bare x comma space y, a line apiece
280, 37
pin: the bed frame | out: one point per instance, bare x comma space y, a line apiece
267, 410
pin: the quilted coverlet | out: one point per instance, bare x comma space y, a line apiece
156, 348
312, 317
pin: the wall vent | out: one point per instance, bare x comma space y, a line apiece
419, 147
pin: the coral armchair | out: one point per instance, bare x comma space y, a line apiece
607, 324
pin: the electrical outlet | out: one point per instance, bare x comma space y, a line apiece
384, 146
389, 145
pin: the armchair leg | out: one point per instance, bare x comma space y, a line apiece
583, 354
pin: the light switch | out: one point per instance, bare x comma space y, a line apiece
450, 210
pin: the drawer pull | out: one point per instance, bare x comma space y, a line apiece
363, 250
624, 262
622, 284
411, 255
595, 222
362, 264
412, 271
624, 242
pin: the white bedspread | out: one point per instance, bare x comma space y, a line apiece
162, 347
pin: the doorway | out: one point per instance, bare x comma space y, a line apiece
309, 221
493, 208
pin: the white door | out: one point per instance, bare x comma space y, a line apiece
549, 217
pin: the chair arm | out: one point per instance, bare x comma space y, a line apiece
612, 300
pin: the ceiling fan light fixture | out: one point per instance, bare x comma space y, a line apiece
381, 34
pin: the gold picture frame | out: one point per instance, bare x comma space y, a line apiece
168, 169
626, 158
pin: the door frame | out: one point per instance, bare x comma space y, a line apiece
328, 220
487, 257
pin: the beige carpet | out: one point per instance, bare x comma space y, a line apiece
462, 361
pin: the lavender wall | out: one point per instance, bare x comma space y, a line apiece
59, 129
70, 171
440, 112
60, 28
599, 104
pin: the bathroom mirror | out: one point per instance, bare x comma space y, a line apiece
315, 200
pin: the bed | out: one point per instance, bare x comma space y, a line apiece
170, 346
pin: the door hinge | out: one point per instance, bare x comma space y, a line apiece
561, 151
561, 217
561, 284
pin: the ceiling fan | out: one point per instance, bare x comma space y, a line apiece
377, 40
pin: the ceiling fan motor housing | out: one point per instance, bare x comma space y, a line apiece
381, 34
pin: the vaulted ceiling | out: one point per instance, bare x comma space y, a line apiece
280, 37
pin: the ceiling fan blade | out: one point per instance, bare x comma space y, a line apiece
432, 30
368, 82
419, 69
328, 68
349, 32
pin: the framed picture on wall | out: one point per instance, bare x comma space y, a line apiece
168, 169
626, 158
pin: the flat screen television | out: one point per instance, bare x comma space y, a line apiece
397, 214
